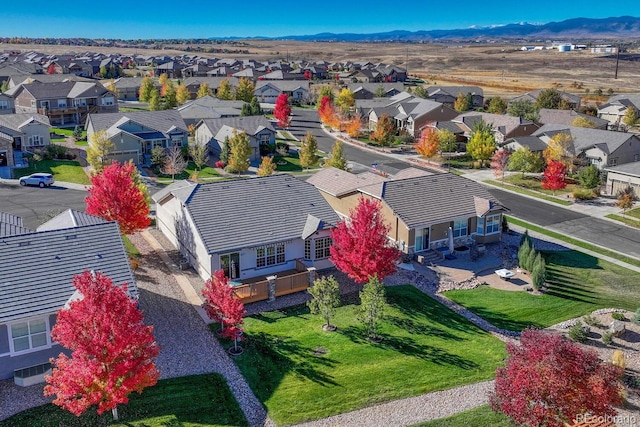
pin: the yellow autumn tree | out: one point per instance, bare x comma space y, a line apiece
353, 127
267, 167
560, 148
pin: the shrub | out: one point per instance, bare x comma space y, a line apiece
607, 337
584, 194
636, 317
617, 359
55, 151
579, 333
618, 316
523, 254
220, 164
592, 321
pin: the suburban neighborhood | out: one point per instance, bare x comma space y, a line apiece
251, 242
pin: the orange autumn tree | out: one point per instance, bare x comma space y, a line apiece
429, 143
353, 126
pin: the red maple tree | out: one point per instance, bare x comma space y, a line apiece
282, 110
222, 306
51, 69
549, 380
307, 75
326, 109
111, 348
555, 176
429, 143
360, 245
499, 162
115, 196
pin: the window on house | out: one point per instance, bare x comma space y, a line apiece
4, 105
493, 224
33, 103
636, 157
480, 226
265, 138
270, 255
29, 335
613, 162
323, 246
307, 249
35, 140
176, 142
107, 101
62, 103
460, 228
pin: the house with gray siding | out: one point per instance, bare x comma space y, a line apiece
6, 104
22, 132
135, 134
214, 133
209, 107
35, 282
254, 227
600, 148
268, 91
623, 176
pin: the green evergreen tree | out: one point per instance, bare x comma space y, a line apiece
523, 254
497, 105
245, 110
421, 92
256, 109
589, 177
337, 159
307, 151
539, 272
224, 152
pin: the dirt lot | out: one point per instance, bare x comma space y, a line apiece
500, 69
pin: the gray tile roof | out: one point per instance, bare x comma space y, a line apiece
175, 189
38, 267
161, 121
249, 124
631, 169
256, 211
584, 138
16, 121
534, 143
284, 85
63, 89
213, 82
434, 199
455, 90
11, 225
68, 219
500, 122
566, 117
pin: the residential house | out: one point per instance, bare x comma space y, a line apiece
193, 84
504, 126
616, 107
65, 103
268, 91
418, 207
567, 117
572, 101
623, 176
214, 133
6, 104
70, 66
31, 297
209, 107
173, 69
250, 228
533, 143
22, 132
135, 134
595, 146
372, 90
410, 114
46, 78
447, 95
128, 88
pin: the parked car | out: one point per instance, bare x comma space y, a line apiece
40, 179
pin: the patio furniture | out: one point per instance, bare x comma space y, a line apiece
505, 274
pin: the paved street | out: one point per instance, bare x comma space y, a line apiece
36, 205
305, 120
594, 230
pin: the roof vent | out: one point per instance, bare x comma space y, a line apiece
98, 256
71, 237
24, 243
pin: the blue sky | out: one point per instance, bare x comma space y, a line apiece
245, 18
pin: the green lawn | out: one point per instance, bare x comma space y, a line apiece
578, 284
481, 416
535, 184
575, 242
533, 193
195, 401
62, 170
131, 249
206, 172
634, 213
299, 372
625, 219
291, 163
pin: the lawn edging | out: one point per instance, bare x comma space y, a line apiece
631, 222
579, 244
534, 194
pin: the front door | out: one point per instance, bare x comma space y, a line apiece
17, 143
230, 264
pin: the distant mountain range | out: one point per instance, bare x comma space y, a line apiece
622, 27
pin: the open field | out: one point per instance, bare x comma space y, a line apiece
500, 69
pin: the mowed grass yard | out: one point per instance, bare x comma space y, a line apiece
200, 400
481, 416
300, 372
577, 284
62, 170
